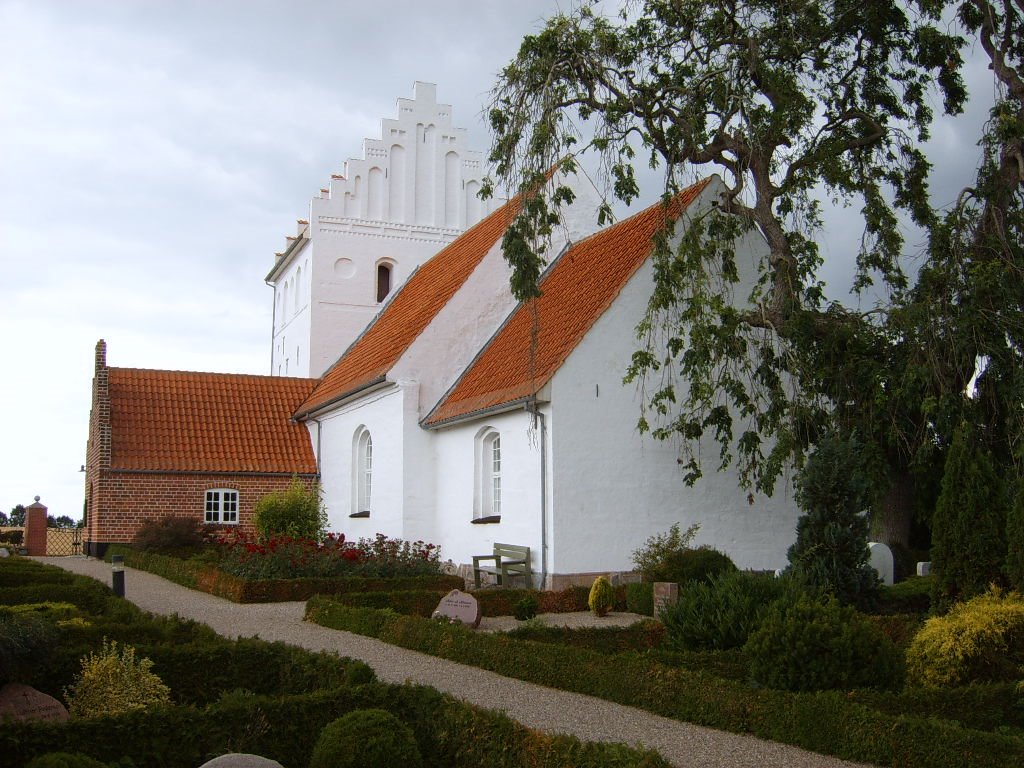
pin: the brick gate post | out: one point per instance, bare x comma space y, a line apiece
35, 528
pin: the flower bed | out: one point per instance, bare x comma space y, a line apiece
206, 577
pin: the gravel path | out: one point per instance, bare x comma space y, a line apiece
546, 709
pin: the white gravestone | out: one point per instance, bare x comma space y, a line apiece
459, 606
881, 560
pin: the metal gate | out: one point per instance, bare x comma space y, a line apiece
63, 542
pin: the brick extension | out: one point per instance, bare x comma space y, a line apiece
158, 440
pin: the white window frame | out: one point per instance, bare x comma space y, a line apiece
362, 471
487, 474
221, 506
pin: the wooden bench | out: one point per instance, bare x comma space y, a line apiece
509, 560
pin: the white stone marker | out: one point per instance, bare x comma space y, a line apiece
881, 560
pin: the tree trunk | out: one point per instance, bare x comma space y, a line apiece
895, 512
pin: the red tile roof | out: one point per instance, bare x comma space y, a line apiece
576, 291
207, 422
415, 304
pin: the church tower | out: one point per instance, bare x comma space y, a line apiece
413, 191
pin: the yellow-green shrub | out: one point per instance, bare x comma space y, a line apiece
602, 596
981, 639
114, 681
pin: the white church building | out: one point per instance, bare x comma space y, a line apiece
447, 413
440, 409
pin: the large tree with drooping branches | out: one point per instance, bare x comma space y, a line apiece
795, 105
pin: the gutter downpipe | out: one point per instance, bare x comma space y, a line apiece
534, 409
273, 328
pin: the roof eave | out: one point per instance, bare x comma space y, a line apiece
344, 398
285, 258
541, 396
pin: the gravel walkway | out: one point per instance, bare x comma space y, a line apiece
546, 709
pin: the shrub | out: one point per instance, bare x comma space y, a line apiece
170, 535
812, 646
297, 512
15, 538
640, 598
980, 640
831, 549
26, 640
968, 548
722, 613
65, 760
602, 596
366, 738
526, 608
659, 547
1015, 540
113, 682
692, 565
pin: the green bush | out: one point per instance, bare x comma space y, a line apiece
980, 640
640, 598
65, 760
814, 646
723, 612
113, 681
170, 535
912, 595
968, 544
366, 738
26, 641
526, 608
692, 565
602, 597
660, 547
297, 511
831, 551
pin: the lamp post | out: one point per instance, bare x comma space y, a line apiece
117, 574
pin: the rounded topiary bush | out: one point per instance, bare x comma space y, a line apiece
602, 596
170, 535
26, 641
684, 566
977, 641
65, 760
813, 646
366, 738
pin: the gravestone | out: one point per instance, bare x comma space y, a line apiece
241, 760
665, 594
23, 702
924, 568
4, 552
881, 560
459, 606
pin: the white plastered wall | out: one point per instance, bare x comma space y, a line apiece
613, 488
293, 314
455, 453
382, 412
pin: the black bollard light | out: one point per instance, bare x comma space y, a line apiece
117, 569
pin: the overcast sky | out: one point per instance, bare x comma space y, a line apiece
155, 153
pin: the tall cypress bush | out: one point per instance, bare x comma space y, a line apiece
968, 543
831, 549
1015, 540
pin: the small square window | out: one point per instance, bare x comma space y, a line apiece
222, 506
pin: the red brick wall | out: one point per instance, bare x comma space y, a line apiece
122, 501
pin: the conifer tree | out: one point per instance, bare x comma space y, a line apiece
968, 544
1015, 540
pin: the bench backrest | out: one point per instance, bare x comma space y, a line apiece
512, 552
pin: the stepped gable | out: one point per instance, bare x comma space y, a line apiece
181, 421
576, 290
411, 309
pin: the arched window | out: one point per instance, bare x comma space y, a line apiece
362, 473
487, 474
383, 280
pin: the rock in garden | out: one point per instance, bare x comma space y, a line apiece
459, 606
241, 760
23, 702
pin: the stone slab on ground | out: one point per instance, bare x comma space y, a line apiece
23, 702
241, 760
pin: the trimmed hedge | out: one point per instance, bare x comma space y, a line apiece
205, 577
828, 722
448, 733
